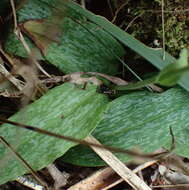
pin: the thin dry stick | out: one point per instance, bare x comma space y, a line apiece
171, 186
22, 40
26, 165
133, 21
163, 27
6, 56
118, 10
174, 11
137, 169
10, 77
83, 142
14, 14
132, 179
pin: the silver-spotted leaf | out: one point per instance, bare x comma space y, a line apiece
140, 120
81, 45
65, 110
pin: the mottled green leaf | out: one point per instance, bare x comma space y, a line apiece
65, 110
82, 46
154, 56
140, 120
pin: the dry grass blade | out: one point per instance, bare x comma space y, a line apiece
173, 187
136, 170
22, 40
34, 61
29, 73
7, 75
132, 179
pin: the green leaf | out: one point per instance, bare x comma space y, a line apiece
168, 76
82, 45
183, 59
64, 110
154, 56
172, 73
137, 85
15, 47
140, 120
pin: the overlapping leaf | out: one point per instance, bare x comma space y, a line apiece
154, 56
168, 76
70, 42
140, 120
64, 110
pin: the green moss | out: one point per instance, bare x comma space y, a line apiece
143, 20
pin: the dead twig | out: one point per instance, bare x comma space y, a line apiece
165, 11
60, 178
10, 77
22, 40
132, 179
163, 27
84, 142
118, 10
